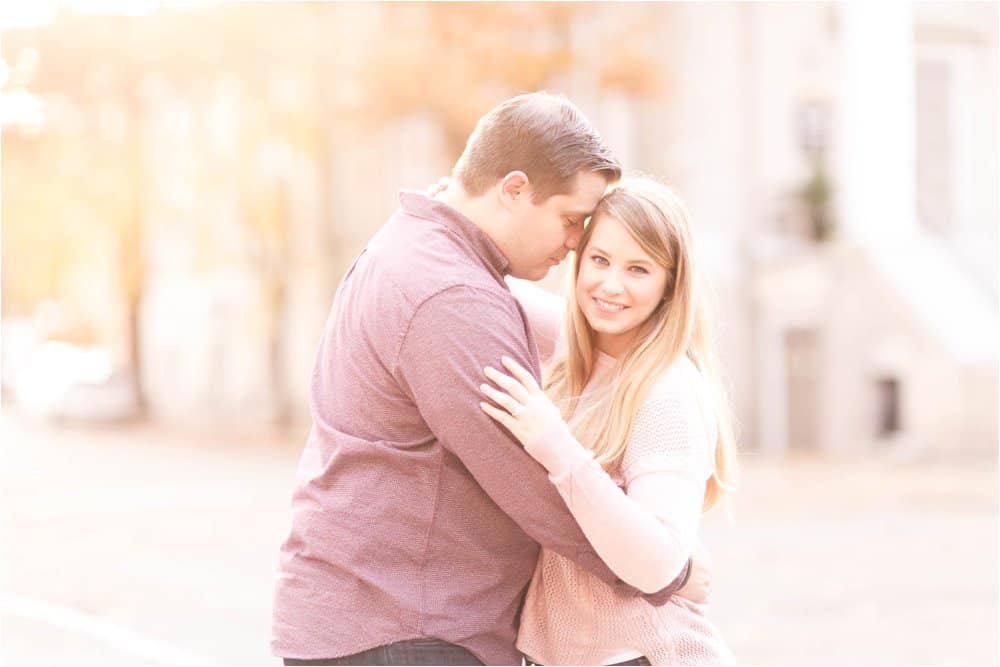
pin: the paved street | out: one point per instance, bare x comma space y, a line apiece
141, 546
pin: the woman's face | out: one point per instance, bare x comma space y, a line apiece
618, 286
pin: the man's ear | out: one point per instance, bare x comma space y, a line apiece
514, 188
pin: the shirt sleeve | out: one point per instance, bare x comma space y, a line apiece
666, 465
450, 339
545, 312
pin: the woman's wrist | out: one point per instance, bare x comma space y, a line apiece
557, 450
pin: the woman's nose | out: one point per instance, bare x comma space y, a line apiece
612, 283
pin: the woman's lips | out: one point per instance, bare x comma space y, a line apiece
608, 306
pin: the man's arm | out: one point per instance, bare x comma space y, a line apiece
466, 329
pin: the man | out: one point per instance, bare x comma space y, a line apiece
416, 519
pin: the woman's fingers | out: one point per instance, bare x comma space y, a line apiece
496, 413
502, 399
521, 374
512, 386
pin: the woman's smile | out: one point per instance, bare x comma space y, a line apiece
608, 307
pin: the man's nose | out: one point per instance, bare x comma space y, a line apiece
573, 238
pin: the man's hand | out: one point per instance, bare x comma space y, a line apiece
699, 583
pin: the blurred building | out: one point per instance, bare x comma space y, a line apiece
840, 160
841, 164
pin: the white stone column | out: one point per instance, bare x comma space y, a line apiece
876, 171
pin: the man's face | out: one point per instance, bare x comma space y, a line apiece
546, 232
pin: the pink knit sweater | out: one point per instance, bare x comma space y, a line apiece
642, 520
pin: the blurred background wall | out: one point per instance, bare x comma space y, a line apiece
183, 185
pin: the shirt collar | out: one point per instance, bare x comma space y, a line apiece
420, 205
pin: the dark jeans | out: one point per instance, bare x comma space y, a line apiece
409, 652
627, 663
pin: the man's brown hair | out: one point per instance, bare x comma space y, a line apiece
544, 136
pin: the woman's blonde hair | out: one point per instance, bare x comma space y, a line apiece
659, 222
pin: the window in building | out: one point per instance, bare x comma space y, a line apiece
888, 407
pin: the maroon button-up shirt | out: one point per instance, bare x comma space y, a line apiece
414, 514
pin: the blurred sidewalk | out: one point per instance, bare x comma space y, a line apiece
164, 545
862, 561
141, 546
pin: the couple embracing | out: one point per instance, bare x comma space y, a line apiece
495, 474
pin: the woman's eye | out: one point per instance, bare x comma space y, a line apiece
640, 270
597, 259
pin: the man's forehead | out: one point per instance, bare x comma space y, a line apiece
577, 204
581, 210
588, 188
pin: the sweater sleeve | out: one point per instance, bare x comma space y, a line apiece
666, 465
544, 312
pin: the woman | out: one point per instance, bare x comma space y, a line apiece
634, 429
